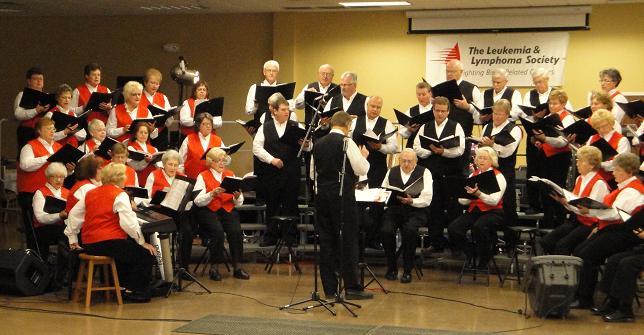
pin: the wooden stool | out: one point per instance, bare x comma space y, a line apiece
86, 272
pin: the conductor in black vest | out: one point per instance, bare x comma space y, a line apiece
280, 165
406, 213
424, 97
328, 157
349, 100
442, 163
501, 90
462, 110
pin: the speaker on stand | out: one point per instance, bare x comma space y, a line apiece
23, 272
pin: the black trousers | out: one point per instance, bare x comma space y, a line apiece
213, 225
408, 219
443, 209
370, 217
621, 273
331, 213
595, 250
186, 227
133, 262
532, 169
565, 238
281, 191
25, 201
554, 168
483, 226
47, 235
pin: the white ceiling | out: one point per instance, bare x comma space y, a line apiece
165, 7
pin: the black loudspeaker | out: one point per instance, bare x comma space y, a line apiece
552, 283
22, 272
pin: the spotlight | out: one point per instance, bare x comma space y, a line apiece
182, 75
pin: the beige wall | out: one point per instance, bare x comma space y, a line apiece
227, 49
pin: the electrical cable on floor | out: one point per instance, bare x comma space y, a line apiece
519, 311
48, 311
516, 330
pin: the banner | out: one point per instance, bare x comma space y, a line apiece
519, 53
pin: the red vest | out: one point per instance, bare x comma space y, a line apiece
159, 181
32, 181
223, 200
101, 223
189, 130
90, 144
130, 177
46, 192
71, 139
616, 93
548, 149
586, 220
158, 100
194, 164
478, 203
609, 200
143, 174
83, 98
123, 118
72, 200
613, 141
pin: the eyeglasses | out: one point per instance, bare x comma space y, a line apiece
326, 74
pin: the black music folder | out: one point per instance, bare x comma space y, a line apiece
370, 136
136, 155
413, 190
583, 113
160, 115
330, 112
135, 123
136, 192
486, 182
232, 184
449, 143
420, 119
549, 125
502, 138
633, 108
312, 103
448, 89
229, 150
262, 93
214, 107
588, 203
530, 110
582, 129
249, 124
105, 147
66, 154
97, 98
31, 98
293, 135
54, 205
607, 150
484, 110
64, 120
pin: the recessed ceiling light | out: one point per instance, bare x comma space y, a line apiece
375, 3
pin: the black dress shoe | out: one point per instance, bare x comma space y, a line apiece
406, 278
358, 295
391, 275
603, 310
135, 297
580, 304
619, 316
241, 274
214, 275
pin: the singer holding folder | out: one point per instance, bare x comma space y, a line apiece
121, 117
484, 214
602, 121
64, 136
424, 97
216, 213
200, 93
260, 109
140, 142
29, 116
81, 94
48, 225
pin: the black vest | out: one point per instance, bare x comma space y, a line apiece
356, 107
414, 111
507, 164
534, 97
463, 116
377, 160
488, 96
441, 166
275, 147
328, 153
308, 110
395, 179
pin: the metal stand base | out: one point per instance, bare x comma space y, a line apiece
365, 267
176, 283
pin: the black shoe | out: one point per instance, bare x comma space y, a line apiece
580, 304
214, 275
391, 275
619, 316
406, 278
375, 246
330, 297
267, 242
241, 274
135, 297
603, 310
358, 295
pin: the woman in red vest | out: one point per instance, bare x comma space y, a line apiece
140, 142
28, 117
601, 100
589, 184
195, 145
614, 232
80, 96
121, 117
48, 227
110, 228
609, 79
484, 214
31, 170
216, 213
200, 93
64, 136
603, 120
120, 155
87, 178
152, 96
97, 134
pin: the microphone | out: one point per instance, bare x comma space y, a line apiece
345, 144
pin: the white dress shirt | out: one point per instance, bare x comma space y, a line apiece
425, 197
504, 151
76, 94
622, 147
122, 206
142, 164
258, 141
345, 102
618, 112
627, 200
39, 206
204, 197
543, 98
598, 192
489, 199
447, 153
30, 163
187, 120
112, 125
20, 113
477, 100
391, 146
250, 101
403, 131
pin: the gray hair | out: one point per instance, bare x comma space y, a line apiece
628, 161
216, 155
272, 63
277, 99
352, 75
130, 87
540, 73
491, 153
611, 73
456, 63
170, 155
500, 72
328, 66
56, 169
409, 151
94, 124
